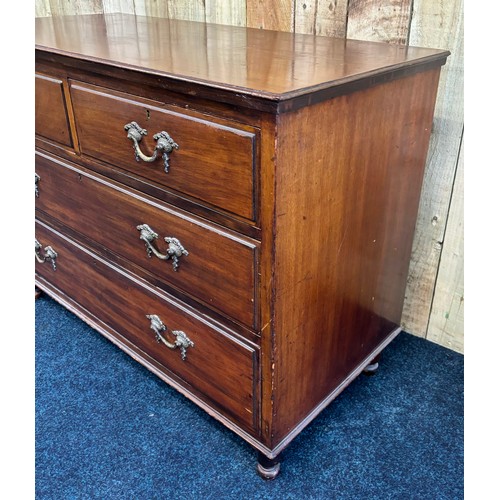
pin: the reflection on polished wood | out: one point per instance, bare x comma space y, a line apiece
268, 63
295, 191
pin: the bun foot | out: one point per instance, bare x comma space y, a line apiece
268, 468
372, 367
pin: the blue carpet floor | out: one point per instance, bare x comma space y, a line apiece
108, 429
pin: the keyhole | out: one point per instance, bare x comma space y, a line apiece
148, 114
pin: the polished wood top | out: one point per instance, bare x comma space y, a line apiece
260, 63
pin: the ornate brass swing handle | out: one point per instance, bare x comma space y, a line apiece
50, 254
164, 144
182, 341
175, 249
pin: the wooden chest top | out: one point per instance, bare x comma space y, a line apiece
253, 65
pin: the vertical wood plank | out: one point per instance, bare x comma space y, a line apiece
63, 7
321, 17
232, 12
305, 16
190, 10
140, 7
379, 20
121, 6
264, 14
439, 25
42, 8
156, 9
446, 324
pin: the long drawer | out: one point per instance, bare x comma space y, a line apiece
218, 268
212, 160
207, 359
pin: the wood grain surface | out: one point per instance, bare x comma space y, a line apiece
215, 160
220, 269
277, 15
446, 323
300, 63
349, 193
219, 366
51, 118
379, 20
320, 17
421, 23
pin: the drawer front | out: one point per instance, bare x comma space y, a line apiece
51, 119
219, 270
219, 366
214, 162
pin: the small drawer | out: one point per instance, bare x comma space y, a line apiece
207, 360
217, 268
51, 118
210, 160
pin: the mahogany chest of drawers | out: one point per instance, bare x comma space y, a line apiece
232, 207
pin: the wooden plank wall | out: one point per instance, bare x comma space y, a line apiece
434, 304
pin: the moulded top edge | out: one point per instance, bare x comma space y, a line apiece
265, 64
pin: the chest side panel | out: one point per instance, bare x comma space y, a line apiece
348, 183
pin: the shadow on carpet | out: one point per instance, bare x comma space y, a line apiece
106, 428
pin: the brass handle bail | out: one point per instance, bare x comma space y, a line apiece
50, 254
175, 249
182, 341
164, 144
